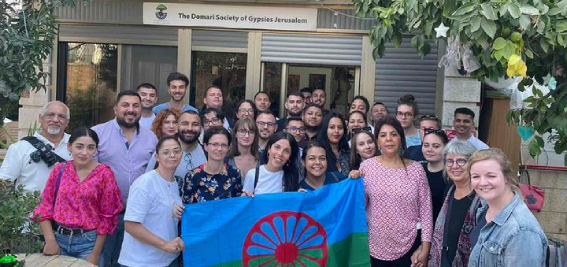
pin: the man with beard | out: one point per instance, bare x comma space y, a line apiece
267, 126
294, 106
149, 95
177, 87
319, 97
213, 99
312, 117
126, 148
189, 129
24, 164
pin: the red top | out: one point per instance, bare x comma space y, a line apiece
397, 200
91, 204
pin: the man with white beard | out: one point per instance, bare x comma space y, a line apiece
29, 161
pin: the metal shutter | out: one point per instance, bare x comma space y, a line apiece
118, 34
402, 71
211, 38
312, 49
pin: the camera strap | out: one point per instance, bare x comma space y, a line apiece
40, 145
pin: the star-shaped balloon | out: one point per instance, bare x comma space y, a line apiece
441, 30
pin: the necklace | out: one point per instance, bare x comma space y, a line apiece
433, 170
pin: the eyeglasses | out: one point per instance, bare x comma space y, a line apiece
428, 117
460, 162
427, 131
168, 152
51, 116
363, 129
406, 114
189, 161
295, 130
243, 132
263, 124
248, 111
212, 121
217, 145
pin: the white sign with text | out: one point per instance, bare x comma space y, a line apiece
242, 17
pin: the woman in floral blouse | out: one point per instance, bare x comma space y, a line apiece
215, 179
81, 202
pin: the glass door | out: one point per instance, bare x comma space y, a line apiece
225, 70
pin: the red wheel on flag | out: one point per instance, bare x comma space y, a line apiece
285, 238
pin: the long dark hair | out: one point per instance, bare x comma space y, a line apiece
233, 151
84, 131
291, 171
323, 138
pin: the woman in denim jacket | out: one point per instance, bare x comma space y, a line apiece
507, 233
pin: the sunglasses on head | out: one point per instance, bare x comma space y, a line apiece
429, 117
430, 131
363, 129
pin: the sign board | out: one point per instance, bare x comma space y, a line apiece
453, 133
241, 17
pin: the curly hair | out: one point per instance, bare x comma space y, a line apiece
160, 118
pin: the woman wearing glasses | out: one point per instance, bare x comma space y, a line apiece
314, 160
153, 211
243, 153
332, 135
279, 173
215, 179
398, 201
165, 123
451, 244
364, 146
406, 113
246, 109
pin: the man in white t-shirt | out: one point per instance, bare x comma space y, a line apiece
148, 94
26, 165
464, 125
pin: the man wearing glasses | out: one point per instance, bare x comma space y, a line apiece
29, 166
427, 124
189, 128
294, 106
296, 128
267, 126
211, 117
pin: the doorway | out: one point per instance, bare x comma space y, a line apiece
225, 70
339, 82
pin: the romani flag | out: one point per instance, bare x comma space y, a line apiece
326, 227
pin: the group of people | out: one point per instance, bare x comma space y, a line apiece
118, 193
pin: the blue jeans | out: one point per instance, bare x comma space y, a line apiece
77, 246
113, 245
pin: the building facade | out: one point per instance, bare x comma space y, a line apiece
105, 47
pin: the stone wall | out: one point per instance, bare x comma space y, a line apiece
553, 217
459, 91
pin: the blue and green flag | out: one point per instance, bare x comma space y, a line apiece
326, 227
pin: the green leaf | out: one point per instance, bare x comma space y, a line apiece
541, 27
529, 10
514, 10
529, 53
499, 43
560, 40
489, 27
534, 148
525, 22
561, 26
539, 141
488, 11
503, 9
475, 24
544, 45
464, 9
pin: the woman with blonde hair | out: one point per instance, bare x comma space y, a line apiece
165, 123
507, 233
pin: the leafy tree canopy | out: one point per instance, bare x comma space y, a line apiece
526, 38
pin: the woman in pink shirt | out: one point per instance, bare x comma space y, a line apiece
81, 202
398, 201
